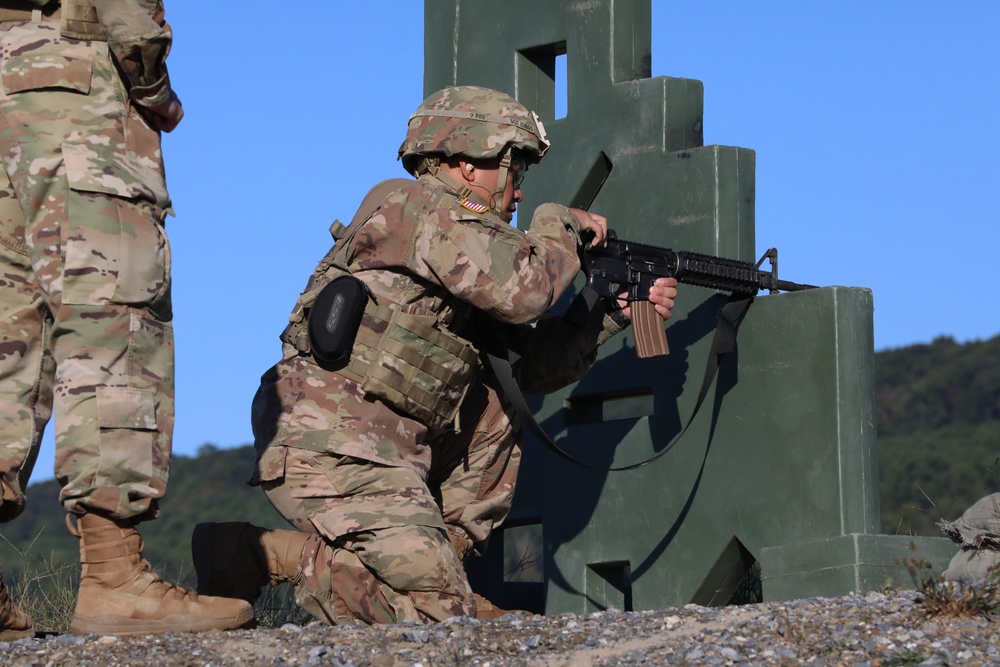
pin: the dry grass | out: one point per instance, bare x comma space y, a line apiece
523, 553
276, 607
939, 597
46, 589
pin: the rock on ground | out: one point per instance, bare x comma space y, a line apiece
875, 629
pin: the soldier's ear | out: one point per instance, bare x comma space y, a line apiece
468, 171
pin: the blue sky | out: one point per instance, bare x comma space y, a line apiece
874, 126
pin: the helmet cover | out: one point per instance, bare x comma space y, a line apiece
478, 123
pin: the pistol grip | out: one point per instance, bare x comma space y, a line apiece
648, 330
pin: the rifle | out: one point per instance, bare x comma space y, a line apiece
633, 267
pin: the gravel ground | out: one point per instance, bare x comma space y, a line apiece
855, 630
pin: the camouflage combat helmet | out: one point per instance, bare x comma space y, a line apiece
478, 123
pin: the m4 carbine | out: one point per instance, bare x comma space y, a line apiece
627, 266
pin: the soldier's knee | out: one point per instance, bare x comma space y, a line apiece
414, 558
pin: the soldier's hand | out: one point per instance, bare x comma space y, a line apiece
597, 225
164, 117
661, 295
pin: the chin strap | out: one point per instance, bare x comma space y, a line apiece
496, 201
432, 167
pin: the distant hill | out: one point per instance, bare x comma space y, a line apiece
938, 411
938, 420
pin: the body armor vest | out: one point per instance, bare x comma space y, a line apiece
77, 18
407, 358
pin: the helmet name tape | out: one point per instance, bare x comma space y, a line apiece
535, 128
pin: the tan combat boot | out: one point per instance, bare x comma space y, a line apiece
237, 559
484, 608
14, 623
120, 595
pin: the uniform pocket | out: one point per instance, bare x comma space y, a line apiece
116, 250
270, 466
47, 66
126, 407
92, 168
127, 420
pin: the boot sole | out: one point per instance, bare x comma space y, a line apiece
116, 625
11, 635
203, 556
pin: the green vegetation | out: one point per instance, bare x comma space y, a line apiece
938, 420
209, 487
40, 558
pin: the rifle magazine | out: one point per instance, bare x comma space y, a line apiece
647, 326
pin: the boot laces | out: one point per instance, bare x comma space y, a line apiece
156, 587
140, 573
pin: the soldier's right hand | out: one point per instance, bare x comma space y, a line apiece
164, 117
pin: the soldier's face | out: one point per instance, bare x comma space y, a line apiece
483, 178
486, 184
512, 189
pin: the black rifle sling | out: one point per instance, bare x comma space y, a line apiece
723, 343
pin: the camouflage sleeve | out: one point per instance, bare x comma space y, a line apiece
556, 352
511, 275
140, 44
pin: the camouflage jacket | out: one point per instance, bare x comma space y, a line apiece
480, 278
139, 39
423, 251
492, 283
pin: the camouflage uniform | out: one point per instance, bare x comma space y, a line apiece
85, 313
385, 494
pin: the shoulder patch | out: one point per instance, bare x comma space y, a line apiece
473, 206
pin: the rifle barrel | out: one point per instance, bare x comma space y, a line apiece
789, 286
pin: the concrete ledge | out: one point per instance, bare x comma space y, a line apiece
858, 563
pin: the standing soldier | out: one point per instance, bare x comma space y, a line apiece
85, 315
381, 437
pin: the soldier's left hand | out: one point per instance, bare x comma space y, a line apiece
593, 223
661, 295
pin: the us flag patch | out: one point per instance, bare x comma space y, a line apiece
473, 206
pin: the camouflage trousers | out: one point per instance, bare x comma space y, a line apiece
383, 546
84, 278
